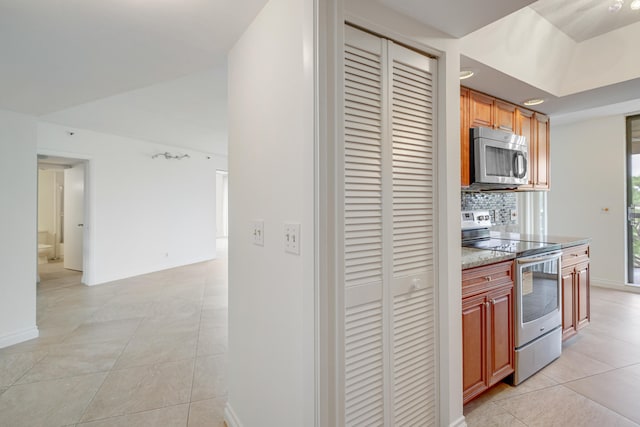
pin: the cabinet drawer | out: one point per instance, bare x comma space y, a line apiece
479, 279
575, 255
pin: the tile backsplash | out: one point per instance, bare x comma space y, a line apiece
498, 204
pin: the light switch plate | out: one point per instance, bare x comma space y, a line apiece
257, 232
292, 238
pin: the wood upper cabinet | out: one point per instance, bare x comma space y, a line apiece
486, 111
465, 178
575, 290
541, 163
480, 110
487, 327
504, 116
526, 127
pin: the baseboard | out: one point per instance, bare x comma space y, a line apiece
460, 422
610, 284
18, 337
230, 417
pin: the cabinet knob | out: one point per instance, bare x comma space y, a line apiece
487, 278
486, 304
492, 301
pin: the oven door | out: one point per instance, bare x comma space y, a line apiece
538, 296
498, 162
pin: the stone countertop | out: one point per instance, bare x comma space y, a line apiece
476, 257
564, 241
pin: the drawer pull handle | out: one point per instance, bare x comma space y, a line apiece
487, 278
575, 254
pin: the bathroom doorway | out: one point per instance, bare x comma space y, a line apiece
61, 213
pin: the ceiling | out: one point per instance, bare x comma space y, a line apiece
456, 17
584, 19
156, 69
58, 56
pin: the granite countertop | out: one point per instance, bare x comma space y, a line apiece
564, 241
472, 257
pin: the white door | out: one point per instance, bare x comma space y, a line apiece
73, 217
388, 226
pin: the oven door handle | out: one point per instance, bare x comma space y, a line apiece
538, 259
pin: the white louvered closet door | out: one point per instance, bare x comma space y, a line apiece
388, 223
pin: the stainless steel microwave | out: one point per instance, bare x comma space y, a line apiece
499, 159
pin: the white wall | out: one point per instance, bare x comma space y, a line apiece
144, 214
588, 174
271, 177
378, 18
18, 223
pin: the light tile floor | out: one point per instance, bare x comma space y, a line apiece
145, 351
151, 351
595, 383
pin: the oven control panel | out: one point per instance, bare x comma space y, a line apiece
475, 219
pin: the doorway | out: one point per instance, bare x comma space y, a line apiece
633, 200
61, 213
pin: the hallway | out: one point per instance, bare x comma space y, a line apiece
145, 351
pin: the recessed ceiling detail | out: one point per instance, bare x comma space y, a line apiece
584, 19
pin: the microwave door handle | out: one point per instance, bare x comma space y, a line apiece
519, 167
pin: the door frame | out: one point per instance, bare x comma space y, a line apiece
87, 243
629, 198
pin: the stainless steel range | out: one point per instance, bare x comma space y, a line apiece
538, 294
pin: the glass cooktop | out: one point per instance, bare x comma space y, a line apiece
518, 247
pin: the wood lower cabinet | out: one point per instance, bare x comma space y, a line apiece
575, 290
487, 327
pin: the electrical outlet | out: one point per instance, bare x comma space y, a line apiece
292, 238
257, 232
514, 215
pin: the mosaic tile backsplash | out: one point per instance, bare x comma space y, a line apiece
498, 204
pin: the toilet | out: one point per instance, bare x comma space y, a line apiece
45, 249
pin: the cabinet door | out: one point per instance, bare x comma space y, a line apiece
465, 178
474, 346
542, 152
480, 110
582, 294
500, 323
504, 116
525, 127
568, 305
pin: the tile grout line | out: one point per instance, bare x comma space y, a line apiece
600, 404
106, 376
195, 358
